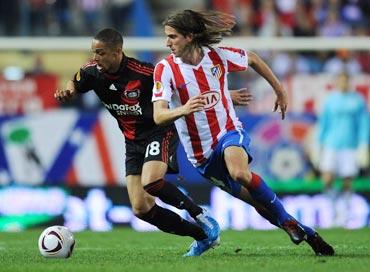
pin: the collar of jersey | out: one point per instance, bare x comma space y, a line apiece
205, 50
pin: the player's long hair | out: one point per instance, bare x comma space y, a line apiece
207, 27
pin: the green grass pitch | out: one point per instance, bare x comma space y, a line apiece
126, 250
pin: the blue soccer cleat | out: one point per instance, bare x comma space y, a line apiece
197, 248
211, 229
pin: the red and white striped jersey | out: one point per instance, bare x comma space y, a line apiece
176, 81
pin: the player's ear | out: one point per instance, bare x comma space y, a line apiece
118, 50
189, 37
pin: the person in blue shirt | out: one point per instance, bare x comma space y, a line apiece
343, 135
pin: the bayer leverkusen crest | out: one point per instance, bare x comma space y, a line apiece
216, 71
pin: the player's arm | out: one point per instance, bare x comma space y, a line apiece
82, 82
262, 68
163, 115
66, 93
241, 97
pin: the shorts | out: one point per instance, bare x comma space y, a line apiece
342, 163
161, 146
215, 170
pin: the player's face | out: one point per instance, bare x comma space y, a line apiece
107, 58
176, 41
343, 82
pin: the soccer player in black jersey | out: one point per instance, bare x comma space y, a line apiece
124, 86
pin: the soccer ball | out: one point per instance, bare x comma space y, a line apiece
56, 242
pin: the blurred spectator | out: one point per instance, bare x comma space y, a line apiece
254, 17
38, 17
343, 135
342, 61
300, 18
304, 21
37, 67
119, 13
352, 13
9, 17
333, 27
282, 64
243, 11
363, 58
63, 16
92, 12
286, 10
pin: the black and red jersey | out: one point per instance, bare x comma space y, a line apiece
126, 94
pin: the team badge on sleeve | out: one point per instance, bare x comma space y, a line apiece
216, 71
158, 89
78, 76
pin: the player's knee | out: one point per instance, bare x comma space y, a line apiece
147, 179
241, 175
140, 210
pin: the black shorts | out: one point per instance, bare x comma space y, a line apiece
161, 146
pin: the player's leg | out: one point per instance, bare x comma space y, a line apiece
228, 168
154, 184
145, 208
216, 171
159, 156
328, 166
170, 194
143, 204
347, 184
260, 192
317, 243
349, 168
236, 160
245, 196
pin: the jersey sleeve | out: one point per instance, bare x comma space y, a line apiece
162, 83
83, 81
236, 58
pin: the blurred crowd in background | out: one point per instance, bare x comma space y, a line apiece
255, 17
298, 18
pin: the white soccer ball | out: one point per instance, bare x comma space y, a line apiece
56, 242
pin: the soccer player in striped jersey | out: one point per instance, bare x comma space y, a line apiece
191, 89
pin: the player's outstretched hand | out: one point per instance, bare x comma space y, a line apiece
241, 97
63, 95
68, 92
281, 103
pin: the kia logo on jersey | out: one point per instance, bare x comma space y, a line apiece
131, 93
211, 98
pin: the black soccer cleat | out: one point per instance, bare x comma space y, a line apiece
295, 231
319, 246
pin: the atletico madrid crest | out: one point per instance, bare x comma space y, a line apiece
216, 71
